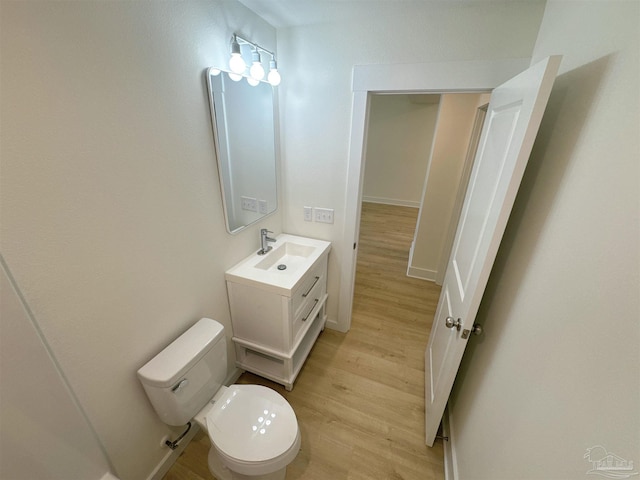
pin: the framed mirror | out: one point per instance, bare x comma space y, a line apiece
244, 130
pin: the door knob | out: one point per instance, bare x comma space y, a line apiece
450, 322
477, 329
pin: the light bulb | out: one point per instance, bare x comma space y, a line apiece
256, 70
234, 76
236, 63
214, 71
274, 76
252, 81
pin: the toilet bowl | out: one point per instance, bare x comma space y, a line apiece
253, 430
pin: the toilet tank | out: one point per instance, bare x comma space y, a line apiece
183, 377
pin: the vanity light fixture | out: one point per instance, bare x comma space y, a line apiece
256, 73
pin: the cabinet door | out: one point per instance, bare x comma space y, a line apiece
260, 317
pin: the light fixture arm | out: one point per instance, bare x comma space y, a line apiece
244, 41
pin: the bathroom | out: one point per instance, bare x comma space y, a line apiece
112, 220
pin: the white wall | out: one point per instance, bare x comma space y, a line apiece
557, 370
317, 61
111, 209
44, 432
446, 165
398, 147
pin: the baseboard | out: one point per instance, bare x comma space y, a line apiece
332, 324
109, 476
392, 201
422, 273
450, 470
172, 455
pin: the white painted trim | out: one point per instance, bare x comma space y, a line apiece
422, 273
172, 455
331, 324
392, 201
450, 464
471, 76
109, 476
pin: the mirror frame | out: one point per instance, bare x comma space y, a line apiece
222, 173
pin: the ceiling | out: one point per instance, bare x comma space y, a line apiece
292, 13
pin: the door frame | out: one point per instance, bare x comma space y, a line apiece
446, 77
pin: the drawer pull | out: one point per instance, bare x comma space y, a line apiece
311, 287
314, 306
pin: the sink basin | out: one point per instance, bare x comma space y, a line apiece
289, 254
281, 269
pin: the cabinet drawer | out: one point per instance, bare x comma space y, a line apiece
303, 315
300, 296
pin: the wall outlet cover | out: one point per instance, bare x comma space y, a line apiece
308, 214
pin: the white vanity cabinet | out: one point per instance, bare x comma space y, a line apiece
278, 315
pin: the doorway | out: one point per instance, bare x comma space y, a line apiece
418, 153
460, 77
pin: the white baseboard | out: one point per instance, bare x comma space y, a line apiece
392, 201
422, 273
450, 464
109, 476
172, 455
332, 324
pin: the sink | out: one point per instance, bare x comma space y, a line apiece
281, 269
288, 255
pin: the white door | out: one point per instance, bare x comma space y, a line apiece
511, 125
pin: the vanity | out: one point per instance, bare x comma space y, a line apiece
277, 305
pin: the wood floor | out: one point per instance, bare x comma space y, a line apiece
359, 398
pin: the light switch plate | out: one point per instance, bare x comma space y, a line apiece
323, 215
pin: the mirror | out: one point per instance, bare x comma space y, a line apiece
243, 119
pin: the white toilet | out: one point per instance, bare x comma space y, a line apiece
253, 429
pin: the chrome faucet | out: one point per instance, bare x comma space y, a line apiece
264, 239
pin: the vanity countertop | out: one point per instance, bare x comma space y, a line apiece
282, 268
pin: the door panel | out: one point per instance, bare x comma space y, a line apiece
483, 192
512, 122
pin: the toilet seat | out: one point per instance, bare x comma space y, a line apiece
254, 429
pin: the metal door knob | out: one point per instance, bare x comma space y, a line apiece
451, 322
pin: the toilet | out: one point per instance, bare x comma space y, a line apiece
253, 430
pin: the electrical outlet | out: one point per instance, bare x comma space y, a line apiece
262, 206
308, 214
249, 203
323, 215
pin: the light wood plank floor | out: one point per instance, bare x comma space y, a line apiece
359, 398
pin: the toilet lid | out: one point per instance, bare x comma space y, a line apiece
252, 423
